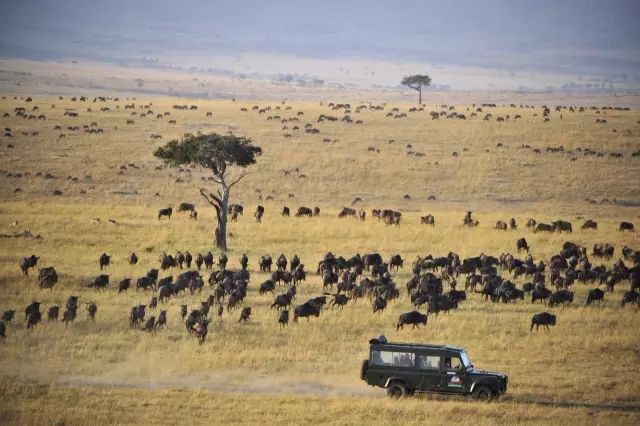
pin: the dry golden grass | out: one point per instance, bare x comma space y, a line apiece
583, 370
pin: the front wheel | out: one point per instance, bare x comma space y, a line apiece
483, 394
397, 390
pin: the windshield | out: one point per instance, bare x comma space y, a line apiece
465, 359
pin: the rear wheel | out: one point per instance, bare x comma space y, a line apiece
483, 393
396, 390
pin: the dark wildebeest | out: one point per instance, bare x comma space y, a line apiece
150, 325
188, 258
304, 211
133, 259
561, 225
244, 261
285, 211
395, 262
222, 261
283, 318
136, 315
235, 209
540, 293
104, 261
347, 211
316, 211
282, 301
267, 286
186, 207
258, 213
200, 330
245, 315
153, 303
162, 319
414, 318
28, 262
512, 224
340, 300
52, 313
200, 260
630, 296
124, 285
47, 277
590, 224
428, 220
543, 318
521, 244
7, 316
208, 260
183, 311
92, 309
501, 226
379, 304
101, 282
165, 212
179, 259
3, 330
531, 223
543, 227
560, 297
265, 263
306, 310
626, 226
282, 262
595, 295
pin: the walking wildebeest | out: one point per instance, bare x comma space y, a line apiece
590, 224
52, 313
7, 316
561, 225
595, 295
28, 262
124, 285
104, 261
414, 318
245, 315
543, 318
165, 212
306, 310
428, 220
521, 244
133, 259
92, 309
283, 318
626, 226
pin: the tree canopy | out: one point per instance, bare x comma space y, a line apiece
417, 82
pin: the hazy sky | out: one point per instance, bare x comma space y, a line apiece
522, 42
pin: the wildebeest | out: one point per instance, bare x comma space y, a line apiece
52, 313
101, 282
590, 224
540, 293
521, 244
208, 260
626, 226
267, 286
7, 316
124, 285
104, 260
379, 304
543, 318
561, 225
630, 296
340, 300
133, 259
595, 295
500, 225
3, 330
136, 315
200, 260
304, 211
92, 309
258, 213
28, 262
150, 325
347, 211
306, 310
165, 212
395, 262
283, 318
603, 250
235, 209
560, 297
414, 318
265, 263
200, 330
245, 315
544, 227
162, 319
47, 277
285, 211
186, 207
428, 220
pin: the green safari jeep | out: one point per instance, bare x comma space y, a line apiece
406, 368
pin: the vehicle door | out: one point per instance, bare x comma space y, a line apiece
429, 372
453, 374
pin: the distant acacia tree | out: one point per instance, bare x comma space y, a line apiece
217, 153
417, 82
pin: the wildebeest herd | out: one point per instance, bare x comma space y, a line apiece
432, 288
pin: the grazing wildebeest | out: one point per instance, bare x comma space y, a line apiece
306, 310
104, 261
560, 297
165, 212
124, 285
414, 318
630, 296
347, 211
153, 303
428, 220
150, 325
543, 318
561, 225
469, 221
7, 316
283, 318
500, 225
521, 244
133, 259
258, 213
304, 211
92, 309
543, 227
34, 317
590, 224
52, 313
47, 277
28, 262
540, 293
267, 286
626, 226
285, 211
595, 295
245, 315
186, 207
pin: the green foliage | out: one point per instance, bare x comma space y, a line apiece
212, 151
417, 81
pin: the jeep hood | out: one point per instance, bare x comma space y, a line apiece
482, 373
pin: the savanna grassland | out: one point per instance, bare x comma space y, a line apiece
584, 370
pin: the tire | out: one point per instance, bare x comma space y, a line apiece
396, 390
483, 393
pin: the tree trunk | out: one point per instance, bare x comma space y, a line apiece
420, 96
221, 228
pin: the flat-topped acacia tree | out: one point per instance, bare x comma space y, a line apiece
417, 82
217, 153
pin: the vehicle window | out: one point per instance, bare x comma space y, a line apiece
395, 359
452, 363
465, 359
429, 362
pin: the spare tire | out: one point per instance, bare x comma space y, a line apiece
364, 369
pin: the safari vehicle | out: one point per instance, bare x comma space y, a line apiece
406, 368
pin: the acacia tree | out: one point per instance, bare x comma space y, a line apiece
217, 153
417, 82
